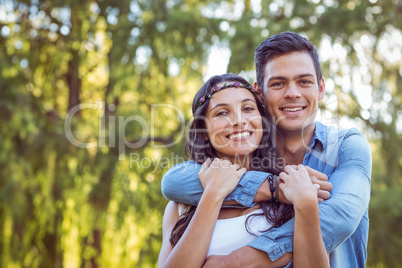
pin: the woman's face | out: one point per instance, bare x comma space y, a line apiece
233, 122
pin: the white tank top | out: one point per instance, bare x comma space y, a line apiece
231, 234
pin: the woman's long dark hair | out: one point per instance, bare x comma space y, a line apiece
265, 159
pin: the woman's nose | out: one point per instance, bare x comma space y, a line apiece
238, 118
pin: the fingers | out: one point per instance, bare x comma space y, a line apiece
302, 168
214, 163
318, 175
217, 163
283, 176
324, 185
241, 172
312, 173
236, 166
289, 169
205, 165
297, 172
324, 195
281, 186
221, 163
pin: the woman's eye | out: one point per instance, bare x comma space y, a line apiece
221, 113
248, 109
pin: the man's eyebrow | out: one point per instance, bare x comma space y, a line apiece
303, 75
279, 77
225, 104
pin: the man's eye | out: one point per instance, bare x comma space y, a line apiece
305, 82
276, 84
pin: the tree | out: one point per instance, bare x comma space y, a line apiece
95, 100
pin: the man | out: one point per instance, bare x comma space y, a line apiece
289, 75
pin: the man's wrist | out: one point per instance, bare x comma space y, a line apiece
263, 193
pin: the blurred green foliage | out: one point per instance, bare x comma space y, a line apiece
112, 73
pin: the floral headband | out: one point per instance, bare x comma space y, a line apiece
216, 89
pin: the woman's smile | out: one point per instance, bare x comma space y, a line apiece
240, 135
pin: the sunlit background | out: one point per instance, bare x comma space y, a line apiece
95, 102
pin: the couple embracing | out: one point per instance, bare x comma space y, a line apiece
268, 185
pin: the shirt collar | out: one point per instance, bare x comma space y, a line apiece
320, 135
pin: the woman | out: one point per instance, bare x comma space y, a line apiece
231, 126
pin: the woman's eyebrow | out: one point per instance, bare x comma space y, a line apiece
248, 100
218, 105
226, 104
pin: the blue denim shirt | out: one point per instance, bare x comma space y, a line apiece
345, 157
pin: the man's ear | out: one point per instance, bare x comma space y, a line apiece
259, 96
321, 90
257, 87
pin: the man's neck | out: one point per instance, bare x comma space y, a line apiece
293, 146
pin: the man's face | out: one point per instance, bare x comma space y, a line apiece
292, 92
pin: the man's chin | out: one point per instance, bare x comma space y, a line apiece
294, 127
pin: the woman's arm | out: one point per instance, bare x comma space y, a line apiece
170, 217
219, 179
192, 248
308, 245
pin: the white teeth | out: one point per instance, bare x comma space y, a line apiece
239, 135
292, 109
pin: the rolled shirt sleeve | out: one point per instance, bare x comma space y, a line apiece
181, 184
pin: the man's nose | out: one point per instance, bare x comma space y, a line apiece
292, 91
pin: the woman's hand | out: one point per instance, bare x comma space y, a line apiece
296, 184
316, 177
220, 176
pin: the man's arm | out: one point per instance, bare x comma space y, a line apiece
181, 184
339, 216
264, 193
242, 258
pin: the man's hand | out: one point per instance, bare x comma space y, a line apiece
217, 261
322, 180
246, 257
